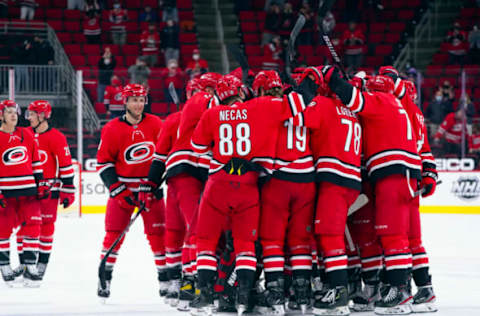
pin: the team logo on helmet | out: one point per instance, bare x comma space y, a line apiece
139, 153
15, 155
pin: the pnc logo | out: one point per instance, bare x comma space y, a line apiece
139, 153
15, 155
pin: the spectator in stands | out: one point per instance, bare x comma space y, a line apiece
3, 9
449, 134
148, 15
474, 141
113, 98
169, 41
272, 55
474, 40
92, 6
170, 11
196, 66
139, 72
118, 17
106, 65
91, 28
273, 21
173, 76
447, 90
437, 110
288, 19
353, 41
467, 104
24, 55
457, 45
306, 35
27, 9
75, 4
43, 51
150, 41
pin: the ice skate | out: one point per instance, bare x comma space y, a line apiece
396, 301
187, 294
334, 302
173, 291
31, 277
301, 287
18, 271
104, 293
365, 300
275, 297
202, 305
424, 300
243, 296
41, 267
8, 274
163, 290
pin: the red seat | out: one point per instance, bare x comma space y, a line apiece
130, 49
251, 38
374, 61
54, 14
254, 50
132, 4
187, 49
72, 26
91, 49
452, 70
77, 60
261, 15
78, 38
159, 107
315, 60
56, 25
64, 37
435, 70
255, 61
130, 60
383, 50
132, 26
305, 50
114, 48
396, 27
92, 60
184, 5
100, 108
133, 38
151, 3
72, 49
375, 38
406, 14
62, 4
247, 16
249, 27
188, 38
440, 58
157, 95
73, 14
186, 15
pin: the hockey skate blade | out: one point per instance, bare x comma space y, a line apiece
278, 310
342, 310
183, 306
241, 310
31, 284
362, 307
303, 308
428, 307
403, 309
103, 300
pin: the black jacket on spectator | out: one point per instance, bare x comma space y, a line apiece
44, 52
24, 56
437, 110
105, 71
169, 37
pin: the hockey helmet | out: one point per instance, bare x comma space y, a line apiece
266, 79
40, 106
411, 89
380, 83
208, 79
9, 104
133, 90
228, 86
192, 85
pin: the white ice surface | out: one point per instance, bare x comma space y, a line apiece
69, 287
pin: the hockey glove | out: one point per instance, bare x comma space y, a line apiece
330, 73
147, 191
43, 189
429, 182
67, 195
3, 202
123, 195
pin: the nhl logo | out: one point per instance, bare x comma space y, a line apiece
466, 187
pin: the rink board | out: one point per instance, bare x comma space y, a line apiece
459, 193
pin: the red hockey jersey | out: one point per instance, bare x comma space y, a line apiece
336, 142
245, 130
126, 151
166, 140
113, 98
182, 157
55, 158
150, 42
389, 143
20, 167
451, 129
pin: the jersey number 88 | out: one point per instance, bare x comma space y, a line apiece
242, 134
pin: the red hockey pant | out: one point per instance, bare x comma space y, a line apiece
286, 216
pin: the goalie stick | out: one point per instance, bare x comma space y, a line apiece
101, 268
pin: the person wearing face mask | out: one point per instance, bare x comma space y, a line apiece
197, 66
437, 110
150, 41
106, 65
113, 98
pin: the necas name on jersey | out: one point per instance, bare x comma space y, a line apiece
232, 115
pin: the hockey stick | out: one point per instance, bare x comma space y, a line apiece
101, 268
291, 47
241, 60
422, 190
360, 202
174, 95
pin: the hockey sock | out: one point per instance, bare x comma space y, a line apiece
186, 263
108, 241
334, 259
207, 269
158, 248
420, 265
30, 243
20, 249
4, 251
193, 254
46, 240
301, 260
273, 260
398, 259
173, 249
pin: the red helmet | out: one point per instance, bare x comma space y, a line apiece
40, 106
228, 86
237, 72
133, 90
9, 104
316, 72
411, 89
193, 84
385, 70
266, 79
380, 83
209, 79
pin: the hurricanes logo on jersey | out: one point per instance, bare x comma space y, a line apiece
139, 153
43, 156
15, 155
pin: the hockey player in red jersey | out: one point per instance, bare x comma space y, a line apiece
123, 161
186, 172
113, 98
57, 170
287, 203
424, 299
394, 166
336, 144
242, 139
21, 186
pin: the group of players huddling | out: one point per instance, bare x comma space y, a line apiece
260, 183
